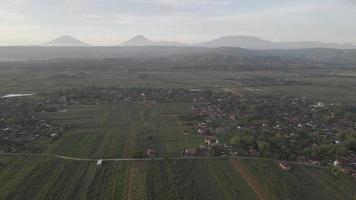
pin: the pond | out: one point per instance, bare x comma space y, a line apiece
16, 95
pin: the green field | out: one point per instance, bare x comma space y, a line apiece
112, 131
119, 130
335, 85
115, 131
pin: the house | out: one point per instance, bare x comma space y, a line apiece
190, 152
99, 163
320, 105
336, 163
353, 174
232, 116
316, 160
203, 130
151, 153
346, 170
62, 110
211, 140
341, 162
253, 152
284, 165
301, 158
54, 135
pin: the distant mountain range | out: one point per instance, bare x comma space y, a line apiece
249, 42
67, 41
141, 40
334, 57
246, 42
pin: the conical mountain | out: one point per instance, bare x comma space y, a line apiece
66, 40
138, 40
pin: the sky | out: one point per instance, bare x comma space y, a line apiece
111, 22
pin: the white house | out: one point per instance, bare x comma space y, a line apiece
99, 162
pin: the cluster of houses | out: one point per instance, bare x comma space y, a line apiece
261, 81
95, 95
211, 145
346, 165
279, 113
298, 123
21, 125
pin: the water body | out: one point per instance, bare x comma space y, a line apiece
16, 95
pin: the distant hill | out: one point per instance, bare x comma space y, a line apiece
138, 40
141, 40
334, 57
249, 42
66, 40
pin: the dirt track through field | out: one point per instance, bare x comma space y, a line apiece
251, 181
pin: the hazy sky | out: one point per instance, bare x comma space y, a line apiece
105, 22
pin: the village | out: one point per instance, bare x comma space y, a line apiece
281, 128
21, 126
274, 126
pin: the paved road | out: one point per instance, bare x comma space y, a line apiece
147, 159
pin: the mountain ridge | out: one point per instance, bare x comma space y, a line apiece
246, 42
251, 42
66, 40
140, 40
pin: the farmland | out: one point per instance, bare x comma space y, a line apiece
116, 131
124, 129
46, 178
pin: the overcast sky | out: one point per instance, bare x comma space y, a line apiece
110, 22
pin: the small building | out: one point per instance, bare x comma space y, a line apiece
336, 163
346, 170
353, 174
232, 116
301, 158
341, 162
190, 152
151, 153
99, 163
54, 135
211, 140
284, 165
320, 104
62, 110
253, 152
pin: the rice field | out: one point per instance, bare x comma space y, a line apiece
118, 130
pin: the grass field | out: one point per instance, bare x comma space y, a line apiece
115, 131
335, 85
45, 178
111, 131
118, 130
300, 182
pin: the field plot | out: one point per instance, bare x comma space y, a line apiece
78, 115
119, 130
175, 180
300, 182
59, 179
211, 179
111, 130
13, 170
